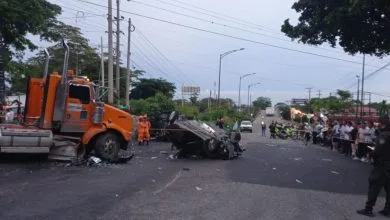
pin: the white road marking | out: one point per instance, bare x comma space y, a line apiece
168, 184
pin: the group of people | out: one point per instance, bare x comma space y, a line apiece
354, 139
144, 126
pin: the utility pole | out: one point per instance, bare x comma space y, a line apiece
319, 94
128, 72
309, 89
118, 53
209, 103
110, 57
369, 104
362, 100
102, 61
357, 96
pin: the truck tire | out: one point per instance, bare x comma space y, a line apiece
107, 147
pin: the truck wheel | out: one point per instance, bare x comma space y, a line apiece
107, 147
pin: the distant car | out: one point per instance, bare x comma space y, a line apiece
246, 126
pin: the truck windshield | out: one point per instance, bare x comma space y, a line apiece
80, 92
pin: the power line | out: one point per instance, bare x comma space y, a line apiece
229, 26
164, 57
229, 36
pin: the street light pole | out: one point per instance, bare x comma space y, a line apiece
249, 88
239, 89
220, 69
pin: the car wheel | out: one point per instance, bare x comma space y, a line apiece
210, 148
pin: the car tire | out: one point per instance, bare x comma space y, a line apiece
210, 148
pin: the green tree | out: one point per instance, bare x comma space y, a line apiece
18, 72
157, 103
21, 17
145, 88
358, 26
285, 111
82, 57
262, 102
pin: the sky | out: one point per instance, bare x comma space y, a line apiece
189, 57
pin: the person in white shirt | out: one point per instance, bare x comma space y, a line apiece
9, 117
363, 133
335, 136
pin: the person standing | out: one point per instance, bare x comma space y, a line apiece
263, 128
380, 174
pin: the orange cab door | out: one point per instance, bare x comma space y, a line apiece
78, 109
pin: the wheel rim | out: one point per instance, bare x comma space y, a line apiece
211, 146
109, 146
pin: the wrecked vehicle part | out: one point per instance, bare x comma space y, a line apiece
196, 137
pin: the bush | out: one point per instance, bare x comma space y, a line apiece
159, 102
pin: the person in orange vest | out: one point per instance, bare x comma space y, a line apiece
142, 130
147, 132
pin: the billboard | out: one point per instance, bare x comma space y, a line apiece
299, 101
189, 90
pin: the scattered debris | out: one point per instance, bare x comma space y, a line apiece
219, 170
334, 172
198, 188
95, 160
116, 195
327, 160
153, 181
159, 168
171, 157
298, 181
297, 158
164, 152
153, 158
186, 168
274, 168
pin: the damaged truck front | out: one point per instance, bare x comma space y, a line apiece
197, 137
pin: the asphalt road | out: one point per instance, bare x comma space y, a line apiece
274, 179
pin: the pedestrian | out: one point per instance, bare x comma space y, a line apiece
380, 174
263, 128
272, 129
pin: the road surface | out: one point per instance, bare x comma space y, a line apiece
274, 179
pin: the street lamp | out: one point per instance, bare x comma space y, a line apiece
249, 88
219, 75
239, 89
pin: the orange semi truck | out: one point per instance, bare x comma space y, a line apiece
65, 107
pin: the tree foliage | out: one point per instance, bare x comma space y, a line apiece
262, 102
145, 88
157, 103
21, 17
356, 25
333, 103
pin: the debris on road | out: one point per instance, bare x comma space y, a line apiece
164, 152
159, 168
153, 158
335, 172
186, 168
298, 181
198, 188
297, 158
153, 181
274, 168
116, 195
94, 159
172, 157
